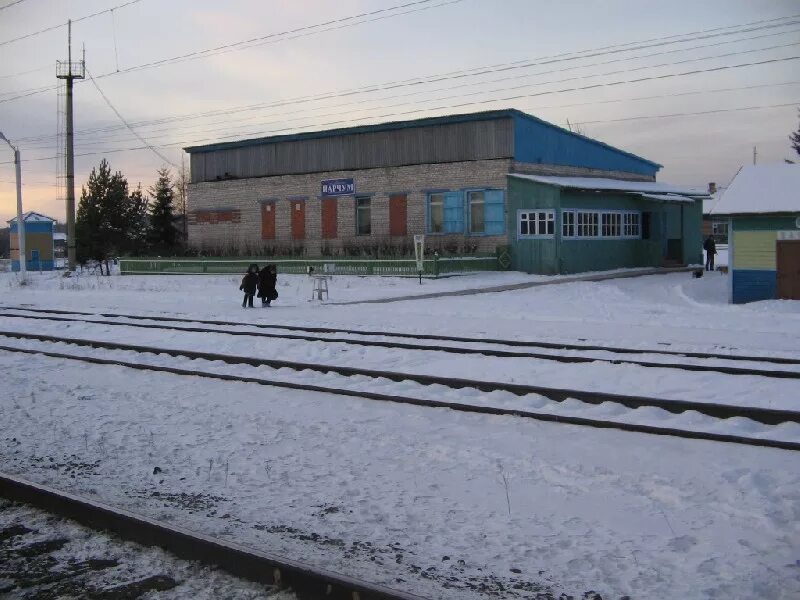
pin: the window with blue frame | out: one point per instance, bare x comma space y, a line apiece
478, 212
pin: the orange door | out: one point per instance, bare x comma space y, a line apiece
298, 220
267, 220
329, 218
398, 215
788, 269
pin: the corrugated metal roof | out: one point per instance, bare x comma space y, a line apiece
613, 185
762, 189
412, 123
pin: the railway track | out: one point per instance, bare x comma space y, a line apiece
305, 581
718, 411
486, 349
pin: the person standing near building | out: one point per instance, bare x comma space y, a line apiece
249, 284
710, 246
267, 280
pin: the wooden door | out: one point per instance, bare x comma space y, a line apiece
267, 220
398, 215
329, 218
298, 220
788, 269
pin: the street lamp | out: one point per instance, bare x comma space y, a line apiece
20, 221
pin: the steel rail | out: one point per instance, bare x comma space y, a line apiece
728, 370
305, 580
470, 408
422, 336
768, 416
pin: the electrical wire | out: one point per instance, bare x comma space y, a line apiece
60, 25
121, 118
10, 4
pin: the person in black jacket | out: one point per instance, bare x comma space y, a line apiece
249, 283
267, 279
710, 246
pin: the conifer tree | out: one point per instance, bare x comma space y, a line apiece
163, 234
795, 137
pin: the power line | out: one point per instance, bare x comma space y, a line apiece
668, 116
293, 102
10, 4
492, 100
59, 26
132, 130
266, 39
704, 34
690, 114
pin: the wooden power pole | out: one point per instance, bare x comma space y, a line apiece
70, 71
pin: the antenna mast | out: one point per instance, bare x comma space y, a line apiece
69, 72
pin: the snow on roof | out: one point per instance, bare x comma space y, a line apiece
60, 236
759, 189
666, 197
710, 202
33, 217
616, 185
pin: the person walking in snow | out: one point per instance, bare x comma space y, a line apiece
249, 284
267, 280
710, 246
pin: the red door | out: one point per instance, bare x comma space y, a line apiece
398, 215
298, 220
267, 220
329, 218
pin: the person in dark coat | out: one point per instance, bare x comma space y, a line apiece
249, 284
267, 280
710, 246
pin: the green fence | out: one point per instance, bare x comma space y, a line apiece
433, 267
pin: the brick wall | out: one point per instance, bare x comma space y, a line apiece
245, 196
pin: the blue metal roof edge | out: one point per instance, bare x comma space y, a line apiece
388, 126
524, 115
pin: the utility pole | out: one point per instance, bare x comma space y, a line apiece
755, 155
23, 255
69, 72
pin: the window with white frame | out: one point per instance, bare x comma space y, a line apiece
587, 224
631, 225
476, 202
567, 223
719, 228
611, 224
536, 223
363, 215
436, 212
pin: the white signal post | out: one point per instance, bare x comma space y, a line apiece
419, 254
20, 222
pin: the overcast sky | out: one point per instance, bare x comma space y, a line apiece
432, 38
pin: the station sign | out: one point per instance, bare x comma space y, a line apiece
338, 187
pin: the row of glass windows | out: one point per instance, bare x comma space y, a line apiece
580, 224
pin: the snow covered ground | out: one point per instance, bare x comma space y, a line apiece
444, 504
48, 557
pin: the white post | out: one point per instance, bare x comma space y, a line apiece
23, 256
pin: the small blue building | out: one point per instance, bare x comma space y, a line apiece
39, 248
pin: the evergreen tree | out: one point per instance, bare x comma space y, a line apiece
109, 221
163, 235
795, 137
139, 222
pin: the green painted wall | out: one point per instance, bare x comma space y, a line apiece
557, 255
532, 256
765, 223
693, 233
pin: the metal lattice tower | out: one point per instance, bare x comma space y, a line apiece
70, 71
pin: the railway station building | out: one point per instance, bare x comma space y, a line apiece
39, 244
551, 199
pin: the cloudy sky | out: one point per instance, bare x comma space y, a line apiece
399, 59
